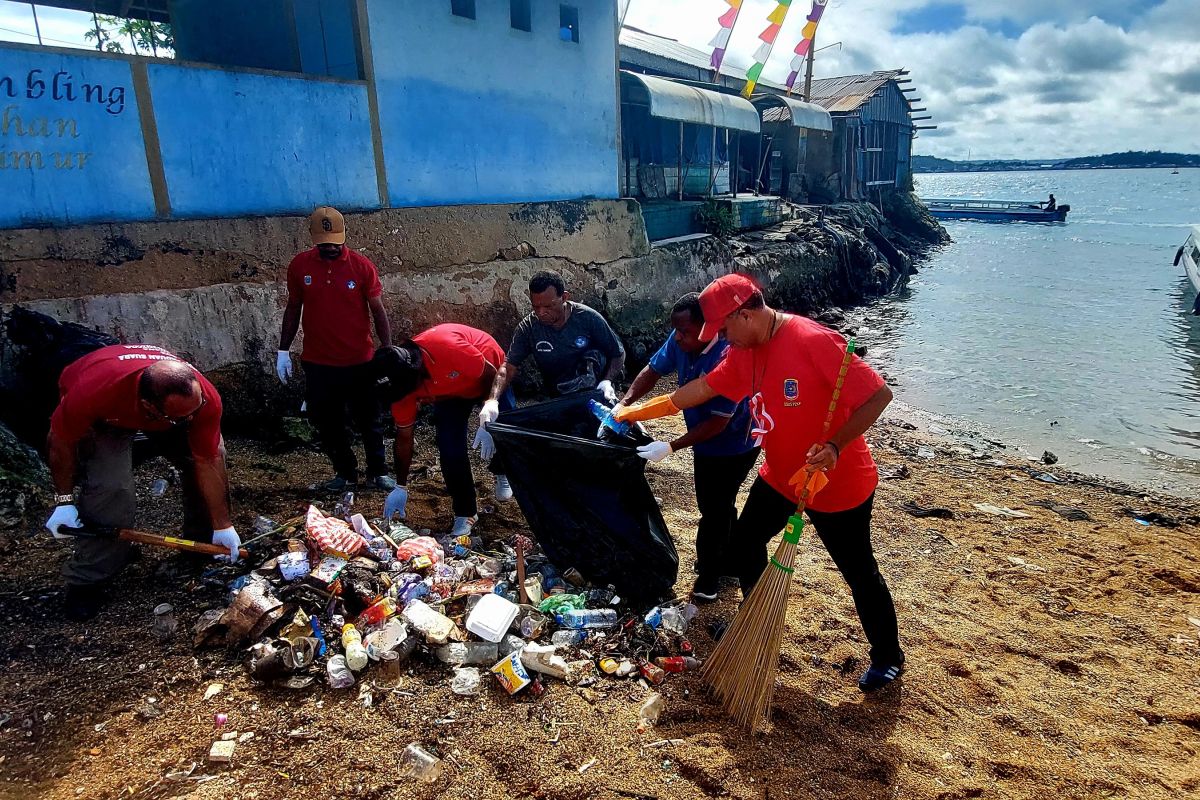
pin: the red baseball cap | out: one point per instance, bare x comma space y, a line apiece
721, 298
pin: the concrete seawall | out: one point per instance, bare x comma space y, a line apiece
212, 290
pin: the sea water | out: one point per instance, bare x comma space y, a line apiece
1075, 337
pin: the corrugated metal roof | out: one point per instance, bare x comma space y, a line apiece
671, 50
154, 10
850, 92
669, 99
787, 109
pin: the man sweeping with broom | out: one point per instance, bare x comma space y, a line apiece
790, 367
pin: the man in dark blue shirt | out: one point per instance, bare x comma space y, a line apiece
718, 433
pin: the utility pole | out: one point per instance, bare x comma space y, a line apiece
812, 51
36, 26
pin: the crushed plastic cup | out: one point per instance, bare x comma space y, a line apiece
511, 673
466, 681
650, 711
417, 762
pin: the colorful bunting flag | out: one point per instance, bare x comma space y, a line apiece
775, 18
720, 42
806, 40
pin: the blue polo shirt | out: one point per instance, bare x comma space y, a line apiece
735, 439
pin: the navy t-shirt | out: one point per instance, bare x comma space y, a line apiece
735, 439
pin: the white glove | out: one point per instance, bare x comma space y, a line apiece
396, 503
606, 388
655, 451
283, 365
227, 537
64, 516
484, 444
489, 413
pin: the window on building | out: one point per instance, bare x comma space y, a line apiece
568, 23
463, 8
521, 14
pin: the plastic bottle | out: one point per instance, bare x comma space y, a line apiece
340, 676
677, 663
653, 673
604, 414
568, 637
417, 762
356, 654
379, 613
676, 618
469, 653
588, 618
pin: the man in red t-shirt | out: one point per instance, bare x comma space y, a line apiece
336, 293
106, 397
787, 366
451, 366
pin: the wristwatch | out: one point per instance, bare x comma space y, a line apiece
64, 499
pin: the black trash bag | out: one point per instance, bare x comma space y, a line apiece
42, 347
586, 499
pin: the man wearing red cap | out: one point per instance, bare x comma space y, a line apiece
336, 292
787, 366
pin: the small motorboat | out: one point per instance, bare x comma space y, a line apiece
995, 210
1189, 256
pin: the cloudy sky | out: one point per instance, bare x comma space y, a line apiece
1002, 78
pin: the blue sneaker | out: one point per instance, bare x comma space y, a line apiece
878, 677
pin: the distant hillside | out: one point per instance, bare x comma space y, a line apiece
1129, 160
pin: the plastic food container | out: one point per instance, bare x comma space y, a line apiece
491, 617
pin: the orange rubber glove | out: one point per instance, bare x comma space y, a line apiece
813, 482
661, 406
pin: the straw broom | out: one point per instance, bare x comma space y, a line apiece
742, 669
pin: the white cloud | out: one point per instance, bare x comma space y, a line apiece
1079, 79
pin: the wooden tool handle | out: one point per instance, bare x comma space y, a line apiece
833, 401
174, 543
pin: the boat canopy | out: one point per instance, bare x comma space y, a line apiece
670, 100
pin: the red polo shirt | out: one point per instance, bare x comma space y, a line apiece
789, 381
102, 387
336, 318
455, 357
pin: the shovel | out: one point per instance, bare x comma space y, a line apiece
141, 537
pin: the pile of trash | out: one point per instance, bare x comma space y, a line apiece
347, 597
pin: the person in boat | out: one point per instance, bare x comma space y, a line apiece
1051, 204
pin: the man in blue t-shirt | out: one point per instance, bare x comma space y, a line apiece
718, 432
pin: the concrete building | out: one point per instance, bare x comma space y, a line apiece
276, 106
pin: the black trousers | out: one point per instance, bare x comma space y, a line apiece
847, 537
718, 479
331, 392
451, 417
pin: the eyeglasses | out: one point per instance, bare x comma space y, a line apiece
158, 412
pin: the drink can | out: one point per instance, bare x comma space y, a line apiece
511, 673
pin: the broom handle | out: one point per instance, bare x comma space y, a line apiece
833, 401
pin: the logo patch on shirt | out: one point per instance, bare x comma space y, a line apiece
453, 374
308, 280
791, 392
350, 284
581, 342
544, 347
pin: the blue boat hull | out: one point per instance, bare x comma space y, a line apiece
999, 215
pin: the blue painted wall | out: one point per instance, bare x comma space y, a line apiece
473, 111
244, 143
71, 146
